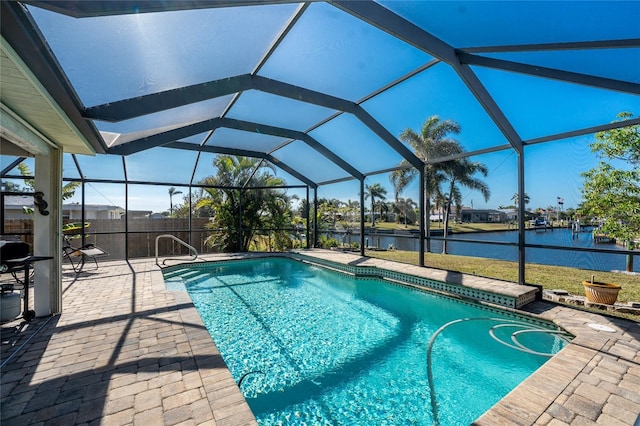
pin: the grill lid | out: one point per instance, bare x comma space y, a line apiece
13, 250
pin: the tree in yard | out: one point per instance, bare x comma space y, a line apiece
516, 202
383, 208
303, 209
375, 191
278, 218
195, 202
440, 201
68, 189
240, 211
462, 172
611, 190
172, 192
181, 210
8, 186
328, 212
406, 210
400, 178
516, 199
348, 212
432, 142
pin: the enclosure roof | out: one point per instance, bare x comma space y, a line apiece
320, 89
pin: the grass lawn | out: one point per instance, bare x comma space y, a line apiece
455, 227
550, 277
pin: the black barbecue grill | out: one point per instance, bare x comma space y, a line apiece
14, 257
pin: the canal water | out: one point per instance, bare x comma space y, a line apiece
557, 237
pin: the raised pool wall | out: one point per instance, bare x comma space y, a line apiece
483, 290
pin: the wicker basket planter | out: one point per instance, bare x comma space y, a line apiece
598, 292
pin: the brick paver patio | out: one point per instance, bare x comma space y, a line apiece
126, 351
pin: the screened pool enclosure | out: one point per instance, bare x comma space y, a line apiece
135, 108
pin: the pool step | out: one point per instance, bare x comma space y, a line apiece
174, 284
178, 279
196, 278
176, 272
184, 273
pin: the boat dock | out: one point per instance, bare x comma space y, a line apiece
603, 239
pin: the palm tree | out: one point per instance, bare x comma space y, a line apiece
516, 199
400, 178
406, 208
383, 208
68, 189
350, 217
279, 218
374, 191
439, 201
172, 192
327, 212
431, 143
239, 210
461, 172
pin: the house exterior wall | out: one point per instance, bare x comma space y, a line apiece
92, 212
483, 216
14, 206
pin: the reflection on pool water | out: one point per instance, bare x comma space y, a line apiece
309, 345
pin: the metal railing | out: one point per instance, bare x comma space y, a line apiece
178, 240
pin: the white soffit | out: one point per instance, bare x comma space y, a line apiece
25, 102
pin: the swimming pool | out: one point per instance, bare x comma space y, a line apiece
308, 345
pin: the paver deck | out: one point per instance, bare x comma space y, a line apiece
126, 351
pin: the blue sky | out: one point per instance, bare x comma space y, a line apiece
110, 58
552, 170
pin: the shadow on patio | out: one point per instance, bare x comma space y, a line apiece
123, 351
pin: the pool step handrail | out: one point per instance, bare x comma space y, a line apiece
244, 376
178, 240
502, 322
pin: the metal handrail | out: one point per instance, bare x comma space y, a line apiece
173, 237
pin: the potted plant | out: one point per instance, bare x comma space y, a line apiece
599, 292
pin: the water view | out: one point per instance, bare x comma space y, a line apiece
555, 237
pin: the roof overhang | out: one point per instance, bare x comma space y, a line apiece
31, 121
34, 118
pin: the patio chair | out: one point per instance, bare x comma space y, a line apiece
88, 251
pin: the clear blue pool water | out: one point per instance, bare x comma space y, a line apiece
313, 346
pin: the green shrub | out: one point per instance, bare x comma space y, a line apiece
330, 242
